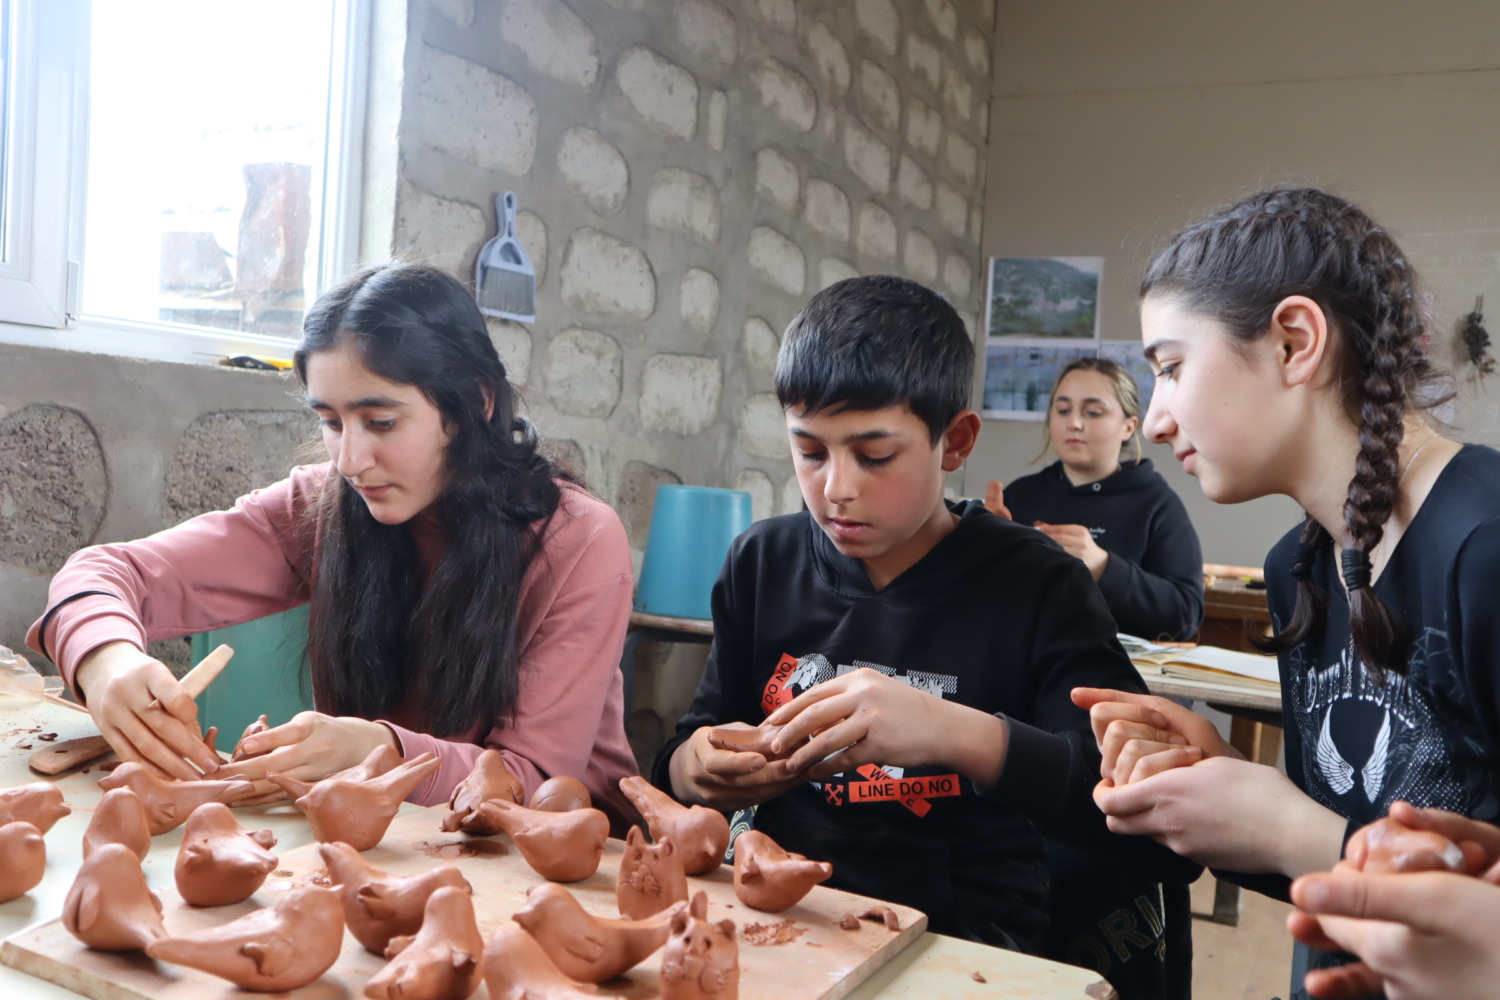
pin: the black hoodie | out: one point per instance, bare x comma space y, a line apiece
995, 617
1153, 583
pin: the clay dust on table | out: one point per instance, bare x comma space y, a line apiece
451, 850
781, 932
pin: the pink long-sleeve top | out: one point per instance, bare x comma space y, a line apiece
227, 567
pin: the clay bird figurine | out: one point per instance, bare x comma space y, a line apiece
563, 847
270, 950
700, 834
489, 778
702, 960
220, 862
379, 906
169, 803
650, 877
109, 906
119, 818
516, 968
770, 878
355, 809
37, 803
585, 947
23, 859
442, 961
560, 794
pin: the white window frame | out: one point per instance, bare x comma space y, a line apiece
45, 191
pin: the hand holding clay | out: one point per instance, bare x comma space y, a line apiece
650, 878
758, 740
560, 794
119, 818
169, 803
260, 725
379, 906
271, 950
702, 960
583, 946
700, 834
769, 878
109, 906
727, 779
442, 961
23, 859
220, 862
144, 713
517, 968
357, 811
563, 847
310, 747
489, 778
38, 803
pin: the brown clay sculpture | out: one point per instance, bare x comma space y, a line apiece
356, 810
169, 803
757, 740
489, 778
220, 862
560, 794
23, 859
270, 950
442, 961
563, 847
650, 877
109, 906
583, 946
379, 906
260, 725
517, 968
769, 878
702, 960
119, 818
700, 834
37, 803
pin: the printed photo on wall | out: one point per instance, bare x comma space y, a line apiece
1041, 314
1130, 355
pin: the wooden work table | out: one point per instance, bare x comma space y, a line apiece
932, 966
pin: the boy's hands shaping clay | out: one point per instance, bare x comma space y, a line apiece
727, 779
143, 711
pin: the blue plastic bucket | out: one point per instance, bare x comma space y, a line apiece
691, 528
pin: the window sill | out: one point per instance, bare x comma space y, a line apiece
148, 342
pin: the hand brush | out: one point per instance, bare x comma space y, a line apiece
504, 281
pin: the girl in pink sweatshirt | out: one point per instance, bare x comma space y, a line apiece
465, 594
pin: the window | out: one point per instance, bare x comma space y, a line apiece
221, 170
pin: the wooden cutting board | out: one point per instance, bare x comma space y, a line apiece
819, 961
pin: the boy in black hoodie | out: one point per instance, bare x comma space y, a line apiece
918, 653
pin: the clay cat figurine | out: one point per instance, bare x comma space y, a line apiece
516, 968
357, 810
119, 818
23, 859
563, 847
700, 834
220, 862
702, 960
769, 878
650, 877
583, 946
169, 803
489, 778
270, 950
442, 961
109, 906
379, 906
37, 803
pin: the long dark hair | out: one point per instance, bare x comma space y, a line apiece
383, 631
1236, 266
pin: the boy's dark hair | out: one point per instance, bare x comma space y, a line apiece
877, 341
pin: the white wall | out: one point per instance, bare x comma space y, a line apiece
1114, 124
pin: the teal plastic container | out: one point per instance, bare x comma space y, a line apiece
691, 528
263, 678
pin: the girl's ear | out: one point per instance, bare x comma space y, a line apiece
1130, 426
1299, 338
489, 399
959, 439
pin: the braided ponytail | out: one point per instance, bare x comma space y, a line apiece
1236, 266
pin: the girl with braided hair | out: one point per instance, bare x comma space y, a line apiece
1286, 333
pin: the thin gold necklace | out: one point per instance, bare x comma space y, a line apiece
1413, 460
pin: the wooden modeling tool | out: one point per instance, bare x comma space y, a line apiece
68, 754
